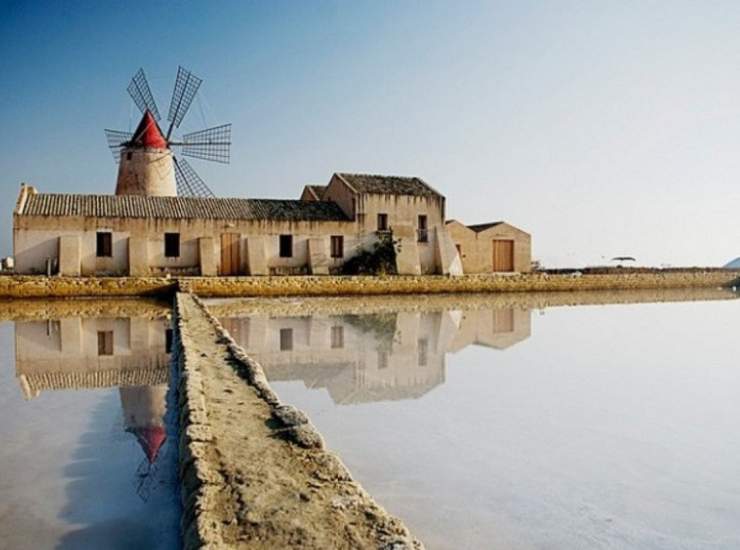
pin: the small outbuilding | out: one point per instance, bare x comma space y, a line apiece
495, 247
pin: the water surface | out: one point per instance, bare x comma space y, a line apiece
88, 459
490, 426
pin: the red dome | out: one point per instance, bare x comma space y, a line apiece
148, 134
151, 440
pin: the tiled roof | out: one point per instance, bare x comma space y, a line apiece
483, 226
317, 190
135, 206
389, 185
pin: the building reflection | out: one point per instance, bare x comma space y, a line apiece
130, 353
375, 357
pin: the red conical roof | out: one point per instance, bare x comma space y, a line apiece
151, 439
148, 134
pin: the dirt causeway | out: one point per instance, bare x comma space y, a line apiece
254, 472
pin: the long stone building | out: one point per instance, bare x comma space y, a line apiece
118, 235
146, 229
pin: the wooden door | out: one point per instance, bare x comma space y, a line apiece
503, 255
230, 253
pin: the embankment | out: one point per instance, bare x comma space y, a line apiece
435, 284
254, 472
38, 286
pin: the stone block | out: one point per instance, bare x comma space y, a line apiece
207, 255
70, 263
318, 256
257, 255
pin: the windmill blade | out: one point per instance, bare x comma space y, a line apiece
186, 86
212, 144
189, 183
117, 139
140, 92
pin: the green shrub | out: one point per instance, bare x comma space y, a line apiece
380, 259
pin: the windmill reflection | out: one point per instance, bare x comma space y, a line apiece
375, 357
131, 353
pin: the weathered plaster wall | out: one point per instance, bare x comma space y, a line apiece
403, 212
149, 172
36, 238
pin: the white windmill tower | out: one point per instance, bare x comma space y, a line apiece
147, 163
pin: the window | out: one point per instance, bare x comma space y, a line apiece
128, 155
423, 233
286, 339
105, 342
459, 250
286, 246
382, 222
337, 337
171, 245
382, 360
168, 334
337, 246
104, 245
423, 349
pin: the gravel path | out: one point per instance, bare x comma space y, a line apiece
254, 472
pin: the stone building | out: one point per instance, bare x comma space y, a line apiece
134, 234
496, 247
146, 229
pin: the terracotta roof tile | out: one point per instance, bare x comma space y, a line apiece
135, 206
389, 185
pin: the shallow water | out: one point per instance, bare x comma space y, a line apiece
609, 426
88, 459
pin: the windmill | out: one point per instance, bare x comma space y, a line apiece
147, 163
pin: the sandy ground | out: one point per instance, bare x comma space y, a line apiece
255, 473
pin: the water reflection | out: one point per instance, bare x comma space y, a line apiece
364, 349
375, 357
131, 354
484, 425
94, 381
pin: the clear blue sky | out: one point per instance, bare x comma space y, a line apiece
603, 128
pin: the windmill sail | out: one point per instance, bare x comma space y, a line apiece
140, 92
117, 139
212, 144
189, 183
186, 86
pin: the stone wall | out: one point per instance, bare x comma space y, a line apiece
426, 284
39, 286
25, 286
